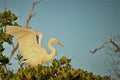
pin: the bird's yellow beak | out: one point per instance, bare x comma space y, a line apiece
60, 44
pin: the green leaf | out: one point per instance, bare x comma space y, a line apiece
1, 48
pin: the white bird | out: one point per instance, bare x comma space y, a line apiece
30, 45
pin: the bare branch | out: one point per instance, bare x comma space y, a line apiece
113, 62
102, 46
113, 43
105, 43
31, 13
13, 51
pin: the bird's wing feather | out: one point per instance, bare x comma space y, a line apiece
24, 35
39, 36
19, 32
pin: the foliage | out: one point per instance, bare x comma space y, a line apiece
6, 18
58, 70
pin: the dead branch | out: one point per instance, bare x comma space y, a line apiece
31, 13
13, 51
105, 43
113, 43
102, 46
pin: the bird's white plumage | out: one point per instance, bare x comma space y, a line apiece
25, 37
28, 46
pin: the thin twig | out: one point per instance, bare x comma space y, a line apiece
13, 51
105, 43
102, 46
5, 67
31, 13
113, 43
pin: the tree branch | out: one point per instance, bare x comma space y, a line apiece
13, 51
31, 13
102, 46
105, 43
113, 43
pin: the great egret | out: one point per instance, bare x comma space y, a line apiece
30, 45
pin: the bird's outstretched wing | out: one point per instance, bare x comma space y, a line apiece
19, 32
22, 33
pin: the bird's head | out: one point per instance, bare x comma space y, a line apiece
55, 41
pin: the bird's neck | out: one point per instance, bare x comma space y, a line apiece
53, 51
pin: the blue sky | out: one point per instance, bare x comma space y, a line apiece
81, 25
